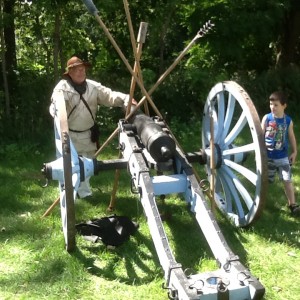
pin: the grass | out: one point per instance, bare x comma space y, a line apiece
34, 264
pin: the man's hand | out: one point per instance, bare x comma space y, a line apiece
133, 101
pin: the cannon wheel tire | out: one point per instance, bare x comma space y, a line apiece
66, 188
238, 151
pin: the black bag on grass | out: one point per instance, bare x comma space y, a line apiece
113, 230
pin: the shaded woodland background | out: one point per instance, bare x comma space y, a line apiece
254, 42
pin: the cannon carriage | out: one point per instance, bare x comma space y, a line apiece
233, 155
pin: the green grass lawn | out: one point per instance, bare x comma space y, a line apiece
35, 265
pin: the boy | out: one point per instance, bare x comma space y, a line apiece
278, 130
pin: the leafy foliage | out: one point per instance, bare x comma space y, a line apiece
246, 44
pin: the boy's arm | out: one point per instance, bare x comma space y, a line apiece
263, 123
293, 143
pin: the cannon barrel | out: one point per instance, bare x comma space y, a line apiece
159, 144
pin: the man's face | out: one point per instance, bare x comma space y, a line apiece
78, 74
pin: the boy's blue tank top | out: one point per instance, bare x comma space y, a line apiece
276, 136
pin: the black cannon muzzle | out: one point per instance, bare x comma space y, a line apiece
159, 144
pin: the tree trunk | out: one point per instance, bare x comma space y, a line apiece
289, 42
39, 34
162, 37
8, 54
9, 35
57, 45
3, 64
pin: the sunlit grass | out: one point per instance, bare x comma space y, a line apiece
35, 265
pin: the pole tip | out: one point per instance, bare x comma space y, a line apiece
90, 6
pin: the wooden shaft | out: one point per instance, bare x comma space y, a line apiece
112, 202
137, 54
153, 88
51, 207
136, 70
146, 94
141, 40
136, 51
125, 61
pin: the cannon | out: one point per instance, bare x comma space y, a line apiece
232, 154
146, 144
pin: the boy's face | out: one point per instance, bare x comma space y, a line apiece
277, 109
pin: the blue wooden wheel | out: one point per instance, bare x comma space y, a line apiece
238, 151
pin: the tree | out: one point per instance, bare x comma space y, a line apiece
288, 48
9, 34
8, 51
250, 38
3, 64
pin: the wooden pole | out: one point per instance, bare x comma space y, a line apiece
49, 210
140, 40
136, 50
153, 88
94, 11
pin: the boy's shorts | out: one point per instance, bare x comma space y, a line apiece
280, 166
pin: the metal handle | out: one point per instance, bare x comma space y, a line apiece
90, 6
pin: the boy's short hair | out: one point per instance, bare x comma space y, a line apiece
278, 96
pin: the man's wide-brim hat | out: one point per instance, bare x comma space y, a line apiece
74, 62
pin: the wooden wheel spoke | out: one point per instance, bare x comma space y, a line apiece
243, 192
236, 130
220, 116
246, 173
229, 115
233, 192
239, 149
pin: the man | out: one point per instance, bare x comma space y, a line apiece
82, 97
